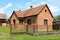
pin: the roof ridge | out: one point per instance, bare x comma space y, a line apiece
29, 12
35, 8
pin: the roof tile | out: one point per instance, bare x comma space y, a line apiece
30, 12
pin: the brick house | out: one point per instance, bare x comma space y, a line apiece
40, 16
2, 19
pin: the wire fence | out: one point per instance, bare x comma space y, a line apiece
17, 28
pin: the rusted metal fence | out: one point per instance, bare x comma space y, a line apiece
32, 29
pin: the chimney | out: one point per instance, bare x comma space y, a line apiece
31, 6
19, 10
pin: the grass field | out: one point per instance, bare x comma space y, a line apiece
5, 35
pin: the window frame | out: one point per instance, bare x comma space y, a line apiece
45, 22
21, 20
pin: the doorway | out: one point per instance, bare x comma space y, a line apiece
14, 22
29, 22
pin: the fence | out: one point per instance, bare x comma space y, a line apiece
29, 28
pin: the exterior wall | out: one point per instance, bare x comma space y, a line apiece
22, 26
33, 20
4, 24
40, 20
16, 21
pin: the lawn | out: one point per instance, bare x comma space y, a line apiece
5, 35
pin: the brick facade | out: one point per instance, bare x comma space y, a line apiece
35, 20
44, 15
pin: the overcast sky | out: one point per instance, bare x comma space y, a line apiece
7, 6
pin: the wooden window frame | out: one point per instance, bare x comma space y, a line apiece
45, 22
21, 21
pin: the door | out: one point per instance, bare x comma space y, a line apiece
29, 22
14, 22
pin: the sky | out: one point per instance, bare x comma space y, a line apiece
7, 6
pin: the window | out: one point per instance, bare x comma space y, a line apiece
20, 21
29, 21
45, 10
45, 22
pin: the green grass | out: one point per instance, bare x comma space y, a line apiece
48, 31
5, 35
31, 31
18, 30
21, 30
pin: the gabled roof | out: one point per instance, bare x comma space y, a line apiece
31, 11
57, 22
19, 13
34, 11
2, 16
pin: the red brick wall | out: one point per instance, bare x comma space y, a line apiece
44, 15
16, 20
33, 20
39, 20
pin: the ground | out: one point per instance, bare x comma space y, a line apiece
5, 35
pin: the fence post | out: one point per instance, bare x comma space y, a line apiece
26, 28
36, 28
47, 28
33, 29
10, 28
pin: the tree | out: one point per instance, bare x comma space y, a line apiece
57, 17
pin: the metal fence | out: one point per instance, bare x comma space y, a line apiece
17, 28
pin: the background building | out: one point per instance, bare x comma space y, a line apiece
3, 19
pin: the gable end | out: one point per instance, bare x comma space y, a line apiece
13, 14
49, 11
